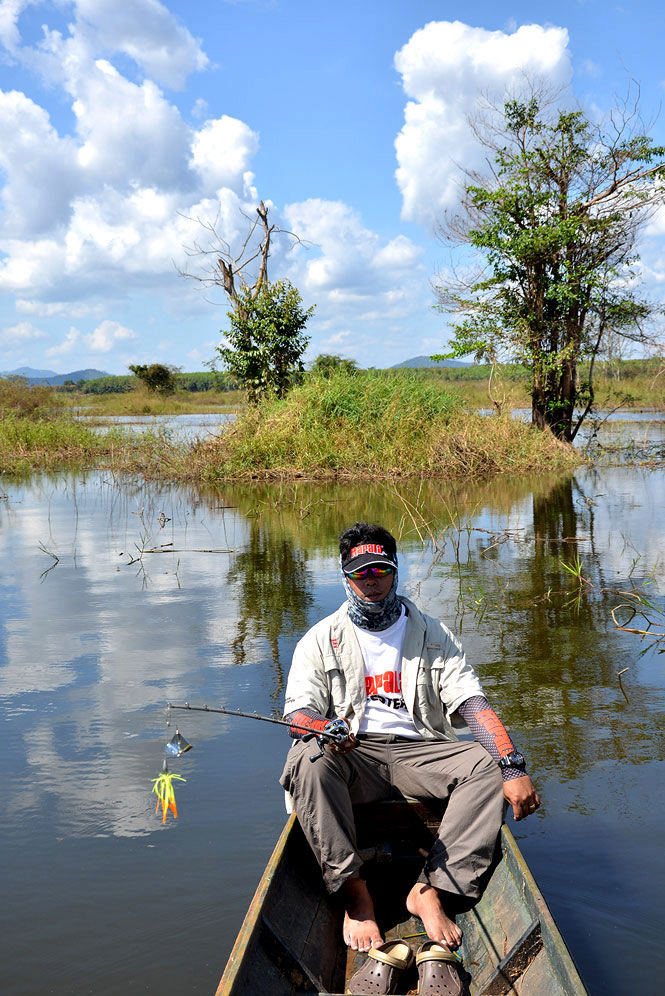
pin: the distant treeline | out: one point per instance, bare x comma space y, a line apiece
207, 381
616, 369
474, 371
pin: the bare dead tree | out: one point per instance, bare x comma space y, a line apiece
242, 273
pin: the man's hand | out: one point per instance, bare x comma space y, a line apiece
522, 796
340, 726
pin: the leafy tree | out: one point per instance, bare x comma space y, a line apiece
267, 320
557, 225
156, 377
266, 339
327, 363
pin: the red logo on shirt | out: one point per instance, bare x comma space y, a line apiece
389, 681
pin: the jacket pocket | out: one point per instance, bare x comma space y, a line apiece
434, 654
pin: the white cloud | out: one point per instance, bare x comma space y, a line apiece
366, 286
57, 309
399, 253
41, 168
10, 11
200, 108
656, 225
590, 68
94, 215
31, 266
143, 30
446, 67
130, 134
107, 335
222, 151
99, 216
346, 260
17, 335
127, 135
339, 338
69, 343
147, 32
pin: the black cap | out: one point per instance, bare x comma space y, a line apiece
365, 554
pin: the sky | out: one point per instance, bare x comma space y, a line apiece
124, 124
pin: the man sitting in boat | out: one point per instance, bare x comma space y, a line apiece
399, 680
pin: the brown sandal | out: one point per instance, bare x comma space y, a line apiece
382, 971
437, 971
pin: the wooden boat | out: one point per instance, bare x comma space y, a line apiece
291, 939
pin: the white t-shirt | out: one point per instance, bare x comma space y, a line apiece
386, 710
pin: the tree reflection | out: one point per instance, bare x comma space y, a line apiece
545, 642
555, 519
274, 588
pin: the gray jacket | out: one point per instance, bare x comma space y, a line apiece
328, 673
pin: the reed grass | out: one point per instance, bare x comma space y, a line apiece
60, 442
38, 433
47, 443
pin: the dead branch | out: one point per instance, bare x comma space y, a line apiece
230, 271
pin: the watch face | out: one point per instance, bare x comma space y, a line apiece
513, 760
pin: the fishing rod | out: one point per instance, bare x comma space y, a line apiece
337, 734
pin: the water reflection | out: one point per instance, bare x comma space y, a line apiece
273, 586
161, 594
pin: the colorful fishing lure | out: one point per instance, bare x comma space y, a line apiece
163, 788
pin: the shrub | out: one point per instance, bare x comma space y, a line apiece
27, 400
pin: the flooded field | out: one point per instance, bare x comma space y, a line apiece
117, 598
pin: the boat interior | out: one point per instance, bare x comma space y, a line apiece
291, 941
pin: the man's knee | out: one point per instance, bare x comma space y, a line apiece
302, 774
485, 768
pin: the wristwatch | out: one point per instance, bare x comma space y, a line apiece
513, 760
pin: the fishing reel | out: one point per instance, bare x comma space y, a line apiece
334, 732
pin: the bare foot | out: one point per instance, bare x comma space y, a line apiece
360, 928
423, 901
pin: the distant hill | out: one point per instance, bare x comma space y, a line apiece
52, 378
28, 372
424, 361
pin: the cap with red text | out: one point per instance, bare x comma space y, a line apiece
365, 554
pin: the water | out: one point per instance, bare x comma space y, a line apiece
97, 634
178, 427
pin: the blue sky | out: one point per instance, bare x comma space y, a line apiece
121, 119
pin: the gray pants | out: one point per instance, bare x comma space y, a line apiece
460, 773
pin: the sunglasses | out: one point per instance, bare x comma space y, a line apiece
378, 572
